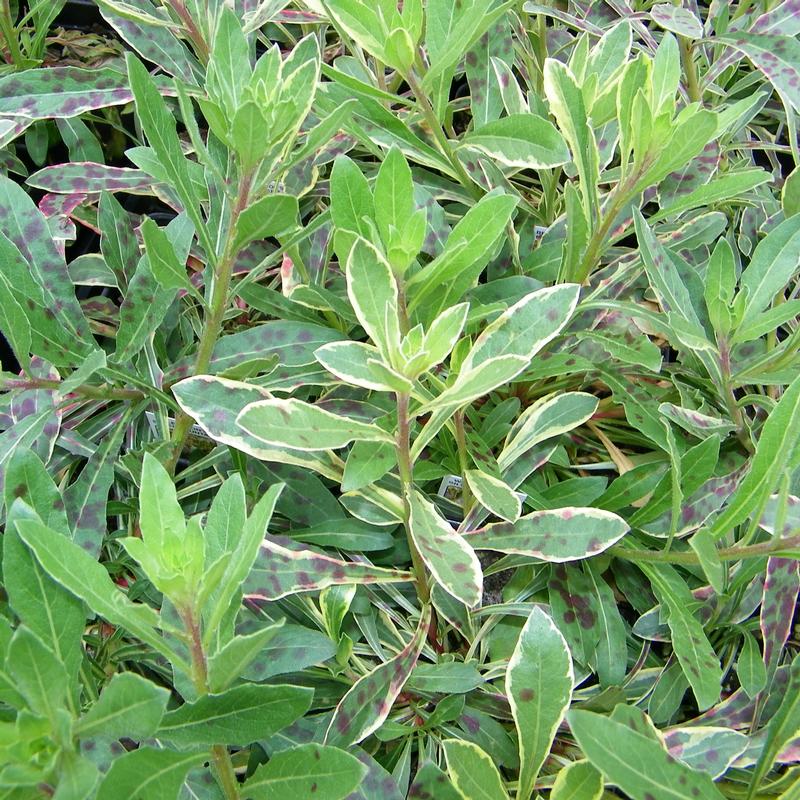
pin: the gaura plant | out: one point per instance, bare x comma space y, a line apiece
355, 250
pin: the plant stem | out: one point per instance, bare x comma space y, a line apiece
724, 553
193, 32
9, 33
594, 250
463, 460
223, 765
102, 392
405, 470
441, 139
690, 70
213, 323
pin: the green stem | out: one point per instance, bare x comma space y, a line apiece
594, 250
724, 553
213, 323
405, 470
223, 766
9, 33
441, 139
690, 70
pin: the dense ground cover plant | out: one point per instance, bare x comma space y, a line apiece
406, 400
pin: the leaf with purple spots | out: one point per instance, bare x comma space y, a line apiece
61, 92
155, 43
566, 534
293, 342
696, 423
781, 589
639, 765
27, 228
539, 683
284, 567
571, 606
777, 57
430, 783
706, 749
91, 178
486, 99
215, 403
775, 510
303, 426
689, 641
86, 498
368, 703
451, 561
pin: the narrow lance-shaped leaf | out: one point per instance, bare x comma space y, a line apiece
565, 534
539, 682
451, 561
494, 495
776, 453
239, 716
283, 567
80, 574
578, 781
90, 177
781, 588
309, 769
636, 763
367, 704
303, 426
526, 326
61, 92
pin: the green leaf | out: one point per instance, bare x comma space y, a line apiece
81, 575
230, 662
351, 199
366, 462
147, 772
229, 66
368, 702
128, 706
638, 765
567, 106
494, 495
372, 291
451, 561
476, 382
303, 426
447, 677
750, 667
578, 781
539, 683
431, 781
548, 417
164, 264
443, 282
239, 716
159, 126
472, 771
566, 534
353, 362
39, 675
48, 609
524, 141
771, 267
394, 195
326, 773
272, 215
